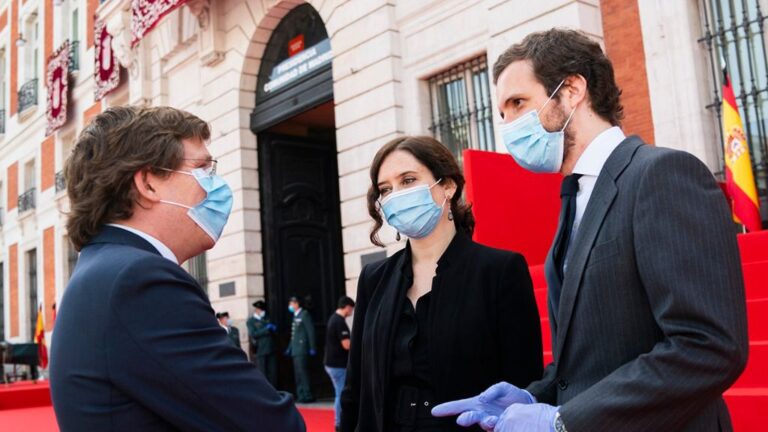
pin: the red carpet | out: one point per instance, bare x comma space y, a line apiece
26, 407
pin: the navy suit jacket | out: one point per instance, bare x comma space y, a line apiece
137, 348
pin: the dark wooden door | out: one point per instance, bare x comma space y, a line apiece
302, 249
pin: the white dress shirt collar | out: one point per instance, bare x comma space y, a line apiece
597, 152
157, 244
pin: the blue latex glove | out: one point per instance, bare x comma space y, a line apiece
287, 352
484, 409
271, 327
527, 418
312, 352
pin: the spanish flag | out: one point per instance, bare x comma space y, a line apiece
42, 351
738, 168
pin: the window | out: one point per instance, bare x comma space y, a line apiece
197, 267
29, 175
3, 82
2, 206
733, 33
461, 107
75, 25
2, 304
32, 290
74, 37
27, 198
32, 48
72, 257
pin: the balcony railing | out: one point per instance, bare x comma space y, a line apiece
61, 182
27, 200
74, 56
2, 121
28, 95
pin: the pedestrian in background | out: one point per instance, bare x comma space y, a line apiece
337, 351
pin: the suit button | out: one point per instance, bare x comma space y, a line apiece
562, 384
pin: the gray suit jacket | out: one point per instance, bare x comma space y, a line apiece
651, 327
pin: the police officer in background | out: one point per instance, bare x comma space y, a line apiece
261, 334
232, 332
302, 346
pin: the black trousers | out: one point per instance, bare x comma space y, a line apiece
301, 374
267, 364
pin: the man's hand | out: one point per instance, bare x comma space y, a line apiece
486, 408
527, 418
312, 352
271, 327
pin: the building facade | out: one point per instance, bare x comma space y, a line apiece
300, 96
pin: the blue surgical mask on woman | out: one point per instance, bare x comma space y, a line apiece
533, 147
413, 212
212, 213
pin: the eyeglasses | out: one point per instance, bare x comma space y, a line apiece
210, 168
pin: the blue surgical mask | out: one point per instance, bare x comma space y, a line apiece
291, 309
413, 212
212, 213
533, 147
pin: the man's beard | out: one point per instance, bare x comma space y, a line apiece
559, 116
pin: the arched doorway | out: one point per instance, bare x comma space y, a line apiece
299, 182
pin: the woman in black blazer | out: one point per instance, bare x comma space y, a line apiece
445, 317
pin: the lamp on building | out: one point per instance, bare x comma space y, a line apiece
20, 41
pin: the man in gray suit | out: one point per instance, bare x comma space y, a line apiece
646, 298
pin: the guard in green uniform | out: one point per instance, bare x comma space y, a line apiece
261, 333
302, 346
232, 331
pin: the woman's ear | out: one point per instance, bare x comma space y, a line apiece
450, 188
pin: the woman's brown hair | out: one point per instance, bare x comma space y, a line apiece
440, 162
116, 144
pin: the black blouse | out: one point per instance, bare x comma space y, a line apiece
410, 359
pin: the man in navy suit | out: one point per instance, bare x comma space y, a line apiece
144, 198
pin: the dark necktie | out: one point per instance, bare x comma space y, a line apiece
568, 190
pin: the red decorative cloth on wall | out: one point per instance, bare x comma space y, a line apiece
57, 81
145, 14
106, 71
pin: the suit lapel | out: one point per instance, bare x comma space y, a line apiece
599, 204
382, 328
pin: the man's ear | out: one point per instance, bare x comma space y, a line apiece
143, 182
576, 90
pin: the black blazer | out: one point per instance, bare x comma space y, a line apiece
137, 348
484, 328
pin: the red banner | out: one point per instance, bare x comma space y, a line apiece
145, 14
106, 71
58, 84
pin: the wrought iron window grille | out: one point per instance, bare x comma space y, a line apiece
460, 99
